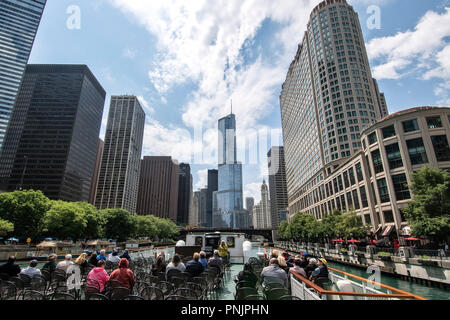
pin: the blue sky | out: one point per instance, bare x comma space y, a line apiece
187, 59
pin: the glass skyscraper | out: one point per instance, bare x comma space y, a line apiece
228, 209
19, 22
52, 141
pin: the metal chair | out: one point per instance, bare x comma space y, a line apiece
289, 298
253, 297
135, 298
33, 295
8, 291
276, 293
187, 293
119, 293
177, 282
20, 285
97, 296
197, 289
152, 293
173, 273
241, 293
166, 287
175, 297
63, 296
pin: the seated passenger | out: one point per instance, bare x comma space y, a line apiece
31, 271
216, 261
10, 268
51, 264
194, 267
114, 257
160, 265
298, 269
248, 276
273, 273
124, 275
203, 260
312, 265
321, 271
99, 274
63, 265
176, 264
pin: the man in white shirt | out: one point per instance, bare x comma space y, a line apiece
63, 265
31, 271
114, 257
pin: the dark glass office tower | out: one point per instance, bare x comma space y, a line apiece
277, 185
184, 192
19, 22
51, 143
213, 185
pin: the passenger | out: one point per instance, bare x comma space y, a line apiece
203, 260
114, 257
273, 273
321, 270
126, 255
51, 264
10, 268
282, 263
274, 254
81, 262
312, 265
176, 264
194, 267
31, 271
93, 259
289, 259
99, 274
102, 256
160, 265
223, 251
298, 269
248, 276
216, 261
124, 275
304, 261
63, 265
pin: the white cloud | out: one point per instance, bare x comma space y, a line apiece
413, 50
202, 179
147, 108
129, 53
253, 190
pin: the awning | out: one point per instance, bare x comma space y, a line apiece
388, 230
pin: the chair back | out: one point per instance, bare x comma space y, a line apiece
187, 293
241, 293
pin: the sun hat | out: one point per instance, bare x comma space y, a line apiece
323, 261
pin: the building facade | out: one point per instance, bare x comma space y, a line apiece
119, 172
328, 97
52, 139
277, 185
19, 23
98, 161
213, 185
184, 192
158, 188
228, 211
374, 181
261, 212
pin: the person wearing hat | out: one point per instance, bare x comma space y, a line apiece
10, 268
32, 271
321, 270
51, 264
312, 265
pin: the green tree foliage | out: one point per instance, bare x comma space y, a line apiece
167, 229
146, 226
65, 219
119, 224
95, 220
6, 227
25, 209
428, 213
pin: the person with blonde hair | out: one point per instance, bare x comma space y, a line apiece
194, 267
82, 262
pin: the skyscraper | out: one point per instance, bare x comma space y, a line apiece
381, 100
277, 184
249, 204
19, 22
119, 171
51, 143
213, 176
184, 191
158, 188
98, 162
328, 98
228, 210
261, 212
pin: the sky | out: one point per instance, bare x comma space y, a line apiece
187, 60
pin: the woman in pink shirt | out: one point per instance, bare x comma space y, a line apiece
99, 274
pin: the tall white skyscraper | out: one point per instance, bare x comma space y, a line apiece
119, 171
261, 212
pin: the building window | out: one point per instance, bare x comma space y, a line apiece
388, 216
344, 207
356, 200
351, 174
338, 204
367, 219
410, 126
336, 190
383, 190
364, 202
394, 156
388, 132
441, 148
377, 162
372, 138
401, 187
349, 200
359, 173
434, 122
341, 186
346, 182
416, 150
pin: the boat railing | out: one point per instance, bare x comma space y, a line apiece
365, 290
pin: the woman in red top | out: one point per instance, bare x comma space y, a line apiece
123, 274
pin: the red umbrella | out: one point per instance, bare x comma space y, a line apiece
354, 241
339, 240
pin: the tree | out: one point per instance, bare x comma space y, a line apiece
167, 229
95, 220
119, 224
65, 219
25, 209
282, 230
428, 213
6, 227
146, 226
